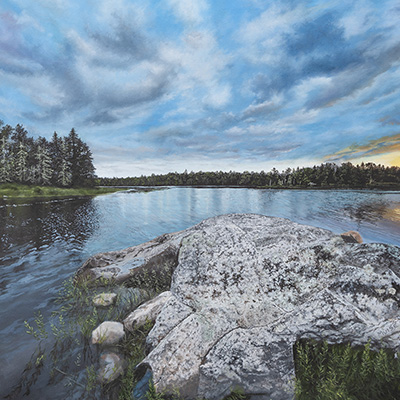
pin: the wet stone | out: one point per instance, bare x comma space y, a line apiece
108, 333
104, 299
111, 367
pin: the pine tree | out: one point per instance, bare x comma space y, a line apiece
56, 157
64, 177
21, 171
81, 161
5, 154
43, 168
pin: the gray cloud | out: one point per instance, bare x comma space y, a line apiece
125, 42
355, 78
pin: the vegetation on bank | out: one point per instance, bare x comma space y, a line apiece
342, 372
329, 175
14, 190
62, 161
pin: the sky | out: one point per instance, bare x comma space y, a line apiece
160, 86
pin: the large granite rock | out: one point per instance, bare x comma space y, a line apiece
246, 287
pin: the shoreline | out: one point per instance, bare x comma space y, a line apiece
18, 191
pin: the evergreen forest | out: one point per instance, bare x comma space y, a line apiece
328, 175
62, 161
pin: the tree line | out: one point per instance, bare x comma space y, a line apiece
327, 175
62, 161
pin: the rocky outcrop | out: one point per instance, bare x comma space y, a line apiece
246, 287
157, 256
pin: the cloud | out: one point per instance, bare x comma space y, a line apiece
189, 11
383, 145
388, 120
262, 109
124, 44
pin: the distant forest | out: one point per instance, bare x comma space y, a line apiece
326, 175
62, 161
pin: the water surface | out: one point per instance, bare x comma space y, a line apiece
43, 242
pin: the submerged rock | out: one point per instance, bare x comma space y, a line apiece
104, 299
246, 287
108, 333
111, 367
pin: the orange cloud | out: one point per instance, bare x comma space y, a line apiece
385, 150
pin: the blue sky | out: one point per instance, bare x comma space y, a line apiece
159, 86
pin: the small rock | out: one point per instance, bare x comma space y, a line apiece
104, 299
111, 367
147, 311
108, 333
351, 237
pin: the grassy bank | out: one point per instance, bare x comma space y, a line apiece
14, 190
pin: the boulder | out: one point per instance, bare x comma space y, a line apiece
111, 367
108, 333
246, 287
146, 312
351, 237
104, 299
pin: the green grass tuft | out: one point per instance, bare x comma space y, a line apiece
342, 372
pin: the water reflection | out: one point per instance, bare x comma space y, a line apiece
41, 223
392, 213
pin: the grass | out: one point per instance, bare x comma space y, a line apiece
343, 372
14, 190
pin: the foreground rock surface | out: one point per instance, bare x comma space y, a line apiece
246, 287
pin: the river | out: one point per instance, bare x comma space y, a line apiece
43, 242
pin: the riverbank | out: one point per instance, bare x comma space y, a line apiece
14, 190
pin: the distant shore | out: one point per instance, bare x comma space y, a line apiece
13, 190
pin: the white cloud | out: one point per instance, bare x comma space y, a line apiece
189, 11
136, 11
263, 37
218, 95
359, 20
200, 65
